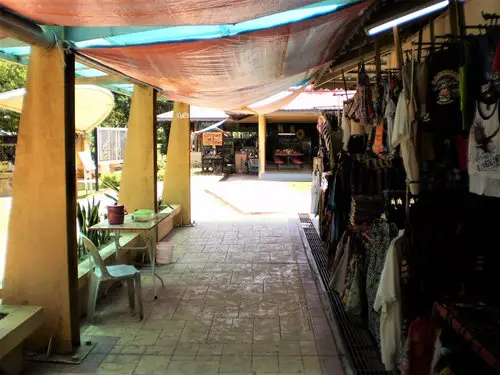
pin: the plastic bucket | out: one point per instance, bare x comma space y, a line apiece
116, 214
164, 252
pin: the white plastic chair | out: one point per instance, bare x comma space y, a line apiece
121, 272
88, 169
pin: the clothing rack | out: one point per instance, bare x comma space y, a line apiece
453, 321
491, 17
430, 43
492, 20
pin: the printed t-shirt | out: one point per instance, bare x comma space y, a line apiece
444, 92
484, 150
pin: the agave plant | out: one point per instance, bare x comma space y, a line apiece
114, 187
162, 205
87, 216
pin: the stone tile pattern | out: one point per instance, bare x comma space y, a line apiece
239, 299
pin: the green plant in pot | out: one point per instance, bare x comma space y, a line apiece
87, 216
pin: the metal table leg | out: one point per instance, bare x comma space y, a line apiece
152, 258
150, 247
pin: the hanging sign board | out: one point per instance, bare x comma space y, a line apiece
212, 139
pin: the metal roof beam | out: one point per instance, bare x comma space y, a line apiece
350, 63
9, 43
103, 80
26, 31
103, 68
82, 33
13, 58
118, 90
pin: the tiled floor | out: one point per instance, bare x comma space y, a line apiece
239, 299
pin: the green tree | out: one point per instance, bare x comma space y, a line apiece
12, 76
163, 127
118, 118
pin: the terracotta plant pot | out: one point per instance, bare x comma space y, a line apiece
116, 214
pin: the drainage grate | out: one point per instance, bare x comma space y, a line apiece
358, 343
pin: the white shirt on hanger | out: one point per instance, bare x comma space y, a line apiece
315, 187
404, 134
402, 120
388, 302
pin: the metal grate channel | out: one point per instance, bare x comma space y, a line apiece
357, 341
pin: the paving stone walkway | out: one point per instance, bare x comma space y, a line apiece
239, 299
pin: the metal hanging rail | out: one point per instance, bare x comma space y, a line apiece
97, 65
29, 32
24, 30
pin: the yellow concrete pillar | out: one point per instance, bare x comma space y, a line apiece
177, 181
137, 186
41, 248
262, 144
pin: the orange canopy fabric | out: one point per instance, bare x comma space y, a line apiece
236, 71
148, 12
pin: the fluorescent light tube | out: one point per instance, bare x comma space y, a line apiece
287, 134
414, 14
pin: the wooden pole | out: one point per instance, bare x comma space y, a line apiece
196, 138
461, 18
262, 135
378, 63
433, 35
397, 45
453, 14
96, 159
420, 40
155, 154
71, 195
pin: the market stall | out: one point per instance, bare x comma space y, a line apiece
406, 209
218, 152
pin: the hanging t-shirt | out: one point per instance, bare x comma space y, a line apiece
356, 127
496, 61
419, 347
405, 134
467, 95
484, 150
389, 116
485, 54
346, 125
421, 87
341, 264
388, 302
315, 189
444, 92
478, 63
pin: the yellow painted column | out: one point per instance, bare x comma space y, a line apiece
137, 186
38, 263
177, 181
262, 144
